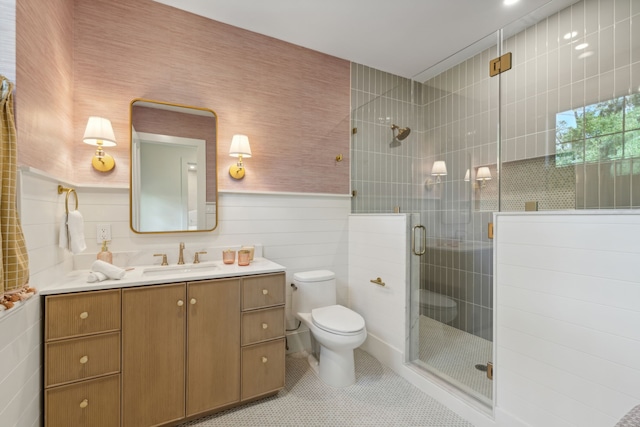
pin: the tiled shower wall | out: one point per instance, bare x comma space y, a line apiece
455, 117
550, 75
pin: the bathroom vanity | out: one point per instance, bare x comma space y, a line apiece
162, 347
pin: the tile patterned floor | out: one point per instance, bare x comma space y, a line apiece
379, 398
454, 353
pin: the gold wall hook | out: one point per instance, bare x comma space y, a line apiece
377, 281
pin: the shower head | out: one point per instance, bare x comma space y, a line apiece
402, 132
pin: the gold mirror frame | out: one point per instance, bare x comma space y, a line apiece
170, 126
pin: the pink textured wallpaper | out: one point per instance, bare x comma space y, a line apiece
44, 86
292, 102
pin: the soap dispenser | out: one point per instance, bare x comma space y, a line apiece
105, 255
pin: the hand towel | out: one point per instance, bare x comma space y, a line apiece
96, 277
72, 233
109, 270
63, 241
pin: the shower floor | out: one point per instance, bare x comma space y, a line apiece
453, 354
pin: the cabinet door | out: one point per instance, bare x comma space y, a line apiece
213, 350
153, 354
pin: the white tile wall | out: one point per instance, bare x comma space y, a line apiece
567, 292
378, 248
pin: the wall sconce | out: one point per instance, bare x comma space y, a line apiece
99, 132
438, 170
483, 175
239, 147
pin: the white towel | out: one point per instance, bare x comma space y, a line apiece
109, 270
72, 233
96, 277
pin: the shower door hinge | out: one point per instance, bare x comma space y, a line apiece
490, 370
354, 131
500, 65
490, 231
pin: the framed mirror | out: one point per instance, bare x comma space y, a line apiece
173, 185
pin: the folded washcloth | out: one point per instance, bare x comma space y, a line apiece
109, 270
72, 233
96, 277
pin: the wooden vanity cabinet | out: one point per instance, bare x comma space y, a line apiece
153, 356
213, 345
263, 343
82, 359
160, 354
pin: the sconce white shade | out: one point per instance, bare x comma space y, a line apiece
439, 168
484, 174
99, 132
467, 176
240, 146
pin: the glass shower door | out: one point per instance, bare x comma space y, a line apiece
452, 298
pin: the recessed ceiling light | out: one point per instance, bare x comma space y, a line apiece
582, 46
510, 2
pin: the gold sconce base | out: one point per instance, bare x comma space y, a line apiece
104, 164
236, 171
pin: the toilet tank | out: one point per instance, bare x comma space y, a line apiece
314, 289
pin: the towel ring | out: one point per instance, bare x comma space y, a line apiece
62, 189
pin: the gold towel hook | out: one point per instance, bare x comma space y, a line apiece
61, 190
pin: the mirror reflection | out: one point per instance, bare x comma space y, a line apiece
173, 168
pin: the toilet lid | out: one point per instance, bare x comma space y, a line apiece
432, 299
337, 319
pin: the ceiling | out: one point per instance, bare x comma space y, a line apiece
402, 37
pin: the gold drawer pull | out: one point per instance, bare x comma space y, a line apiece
180, 303
84, 315
265, 326
264, 359
193, 301
84, 359
84, 403
265, 291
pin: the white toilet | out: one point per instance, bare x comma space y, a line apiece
337, 329
437, 306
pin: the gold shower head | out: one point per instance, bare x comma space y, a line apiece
402, 132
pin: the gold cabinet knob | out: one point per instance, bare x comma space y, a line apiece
84, 359
193, 301
84, 315
264, 359
84, 403
265, 292
180, 303
265, 326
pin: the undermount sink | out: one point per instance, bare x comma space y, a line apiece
177, 269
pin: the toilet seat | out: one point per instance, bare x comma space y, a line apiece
338, 320
436, 301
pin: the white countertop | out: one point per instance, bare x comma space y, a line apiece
76, 281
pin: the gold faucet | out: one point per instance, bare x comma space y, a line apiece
181, 256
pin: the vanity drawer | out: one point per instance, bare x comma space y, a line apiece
79, 358
83, 313
262, 291
262, 325
92, 403
262, 368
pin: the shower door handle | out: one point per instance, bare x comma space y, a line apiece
423, 242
